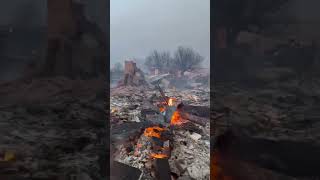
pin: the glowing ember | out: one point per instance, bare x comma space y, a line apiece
176, 119
153, 131
165, 148
114, 110
171, 101
163, 103
159, 156
217, 172
162, 109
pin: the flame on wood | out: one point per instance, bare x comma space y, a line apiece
159, 156
114, 110
162, 109
153, 131
177, 119
171, 101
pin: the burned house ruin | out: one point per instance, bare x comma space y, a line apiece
76, 46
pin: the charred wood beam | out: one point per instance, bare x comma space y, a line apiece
120, 171
201, 111
169, 112
196, 119
123, 132
162, 169
165, 99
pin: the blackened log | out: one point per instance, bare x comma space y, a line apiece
169, 112
123, 132
120, 171
163, 96
196, 119
162, 169
166, 135
202, 111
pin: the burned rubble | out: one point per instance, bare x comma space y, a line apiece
52, 108
163, 132
267, 120
273, 114
52, 128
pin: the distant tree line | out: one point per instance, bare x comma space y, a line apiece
183, 59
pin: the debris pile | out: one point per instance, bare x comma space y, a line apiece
275, 116
158, 141
54, 134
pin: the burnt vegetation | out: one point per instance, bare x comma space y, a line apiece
184, 59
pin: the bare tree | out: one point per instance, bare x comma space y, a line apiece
186, 59
159, 60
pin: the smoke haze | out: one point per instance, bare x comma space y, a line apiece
138, 27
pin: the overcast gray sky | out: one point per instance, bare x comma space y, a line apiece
140, 26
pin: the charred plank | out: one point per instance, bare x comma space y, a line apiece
120, 171
162, 169
196, 119
201, 111
123, 132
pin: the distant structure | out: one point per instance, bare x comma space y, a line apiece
154, 71
133, 76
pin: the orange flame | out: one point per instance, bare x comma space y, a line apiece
176, 119
153, 131
159, 156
